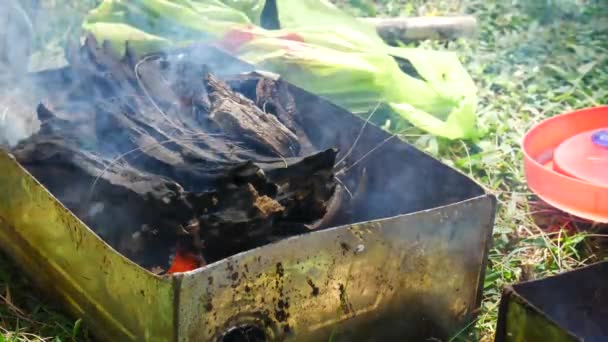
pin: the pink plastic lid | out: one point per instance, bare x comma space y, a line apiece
584, 156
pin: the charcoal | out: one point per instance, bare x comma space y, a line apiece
161, 157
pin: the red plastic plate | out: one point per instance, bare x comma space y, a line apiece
565, 167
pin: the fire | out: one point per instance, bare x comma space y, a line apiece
184, 262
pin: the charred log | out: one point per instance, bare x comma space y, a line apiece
161, 157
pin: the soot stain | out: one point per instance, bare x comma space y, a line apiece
281, 310
346, 307
209, 306
280, 270
345, 247
281, 315
315, 289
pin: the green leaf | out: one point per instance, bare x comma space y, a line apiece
76, 328
491, 279
586, 68
574, 240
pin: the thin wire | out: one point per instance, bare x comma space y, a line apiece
143, 87
346, 169
143, 149
352, 147
345, 187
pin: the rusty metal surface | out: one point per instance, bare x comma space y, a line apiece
119, 299
527, 324
571, 306
406, 264
410, 277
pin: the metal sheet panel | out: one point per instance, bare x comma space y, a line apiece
120, 300
416, 275
572, 306
410, 277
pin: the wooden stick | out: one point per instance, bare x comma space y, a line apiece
402, 29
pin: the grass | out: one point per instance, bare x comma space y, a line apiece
528, 67
25, 316
529, 62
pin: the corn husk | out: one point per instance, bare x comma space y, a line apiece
318, 48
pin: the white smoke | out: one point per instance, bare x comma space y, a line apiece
16, 42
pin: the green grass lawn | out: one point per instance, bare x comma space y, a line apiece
529, 62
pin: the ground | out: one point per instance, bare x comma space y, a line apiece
531, 60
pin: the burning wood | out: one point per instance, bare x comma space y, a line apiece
165, 161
